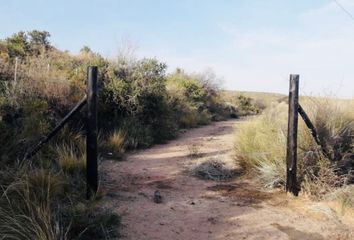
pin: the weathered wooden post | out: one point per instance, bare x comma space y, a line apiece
91, 131
291, 154
16, 66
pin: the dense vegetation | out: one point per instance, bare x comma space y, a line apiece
260, 147
139, 105
251, 103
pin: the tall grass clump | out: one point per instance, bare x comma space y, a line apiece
115, 144
70, 158
260, 146
26, 207
43, 204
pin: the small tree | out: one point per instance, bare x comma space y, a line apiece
18, 45
85, 49
39, 40
39, 37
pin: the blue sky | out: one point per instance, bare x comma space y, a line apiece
251, 44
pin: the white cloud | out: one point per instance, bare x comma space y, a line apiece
320, 47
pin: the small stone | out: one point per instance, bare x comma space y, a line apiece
112, 195
157, 197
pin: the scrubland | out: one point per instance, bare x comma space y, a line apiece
139, 105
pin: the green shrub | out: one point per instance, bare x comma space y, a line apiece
247, 106
195, 99
135, 100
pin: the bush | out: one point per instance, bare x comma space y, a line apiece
135, 100
195, 99
247, 106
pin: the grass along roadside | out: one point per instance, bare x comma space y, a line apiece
260, 148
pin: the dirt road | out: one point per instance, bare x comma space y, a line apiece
199, 209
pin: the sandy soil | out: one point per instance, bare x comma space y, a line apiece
197, 209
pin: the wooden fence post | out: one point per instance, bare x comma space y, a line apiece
91, 131
15, 74
291, 154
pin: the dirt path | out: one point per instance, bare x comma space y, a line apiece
198, 209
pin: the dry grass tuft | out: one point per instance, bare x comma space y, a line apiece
70, 158
214, 169
26, 207
321, 179
194, 150
115, 144
43, 204
344, 196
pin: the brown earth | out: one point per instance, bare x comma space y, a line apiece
198, 209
